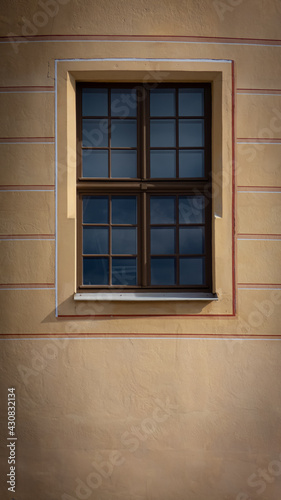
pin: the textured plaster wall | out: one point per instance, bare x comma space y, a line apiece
139, 418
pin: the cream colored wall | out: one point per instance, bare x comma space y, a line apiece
77, 395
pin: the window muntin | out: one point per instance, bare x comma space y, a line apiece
153, 146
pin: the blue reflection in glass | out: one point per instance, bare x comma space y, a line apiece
191, 102
191, 240
95, 209
162, 163
124, 271
191, 163
94, 102
162, 133
124, 240
123, 164
163, 102
95, 163
162, 209
94, 133
163, 271
124, 209
191, 209
95, 271
123, 133
191, 133
192, 271
162, 240
123, 102
95, 240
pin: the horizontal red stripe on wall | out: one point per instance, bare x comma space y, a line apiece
26, 285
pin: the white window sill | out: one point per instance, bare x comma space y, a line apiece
146, 297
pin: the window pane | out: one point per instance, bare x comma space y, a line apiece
95, 209
163, 271
162, 163
95, 133
123, 133
123, 102
191, 163
162, 209
95, 271
94, 102
191, 209
191, 133
124, 271
162, 240
124, 210
95, 163
191, 102
192, 271
191, 240
95, 239
163, 102
124, 164
124, 240
162, 133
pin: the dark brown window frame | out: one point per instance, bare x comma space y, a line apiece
143, 187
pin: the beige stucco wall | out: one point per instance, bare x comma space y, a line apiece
86, 385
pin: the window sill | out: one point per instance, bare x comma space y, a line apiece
146, 297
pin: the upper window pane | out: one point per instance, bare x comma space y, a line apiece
191, 102
123, 102
95, 133
94, 102
163, 102
191, 133
123, 133
123, 163
162, 133
162, 163
95, 162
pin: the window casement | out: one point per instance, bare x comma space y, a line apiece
144, 211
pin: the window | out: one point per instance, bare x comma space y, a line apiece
143, 184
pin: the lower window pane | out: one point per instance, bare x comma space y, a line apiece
124, 271
192, 271
162, 240
163, 271
192, 240
124, 240
191, 209
95, 239
95, 271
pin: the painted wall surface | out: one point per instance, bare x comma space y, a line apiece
131, 401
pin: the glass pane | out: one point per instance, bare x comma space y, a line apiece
162, 133
162, 209
95, 163
162, 163
123, 164
123, 102
123, 133
124, 240
95, 239
191, 163
95, 271
191, 240
94, 102
191, 102
192, 271
163, 271
124, 271
95, 133
124, 210
163, 102
191, 209
191, 133
162, 240
95, 209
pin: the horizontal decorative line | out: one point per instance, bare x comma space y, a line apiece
260, 91
26, 236
11, 286
258, 140
112, 336
27, 89
22, 140
22, 187
245, 236
266, 286
177, 38
259, 189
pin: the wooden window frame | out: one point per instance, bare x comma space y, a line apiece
143, 187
